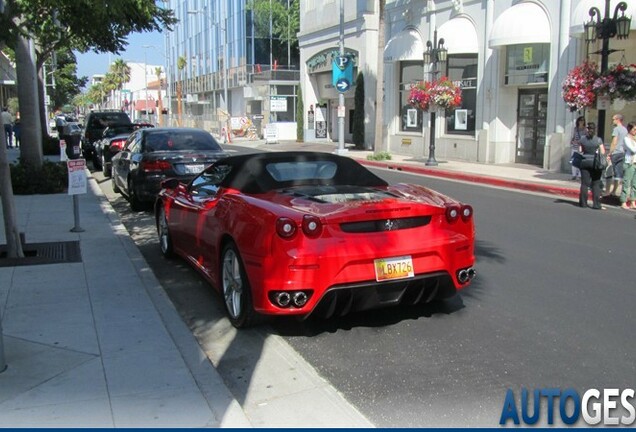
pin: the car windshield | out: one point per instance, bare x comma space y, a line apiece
180, 140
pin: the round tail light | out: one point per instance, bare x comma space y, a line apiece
312, 227
452, 213
286, 228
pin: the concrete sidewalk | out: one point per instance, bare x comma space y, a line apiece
95, 342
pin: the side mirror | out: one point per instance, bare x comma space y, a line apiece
171, 183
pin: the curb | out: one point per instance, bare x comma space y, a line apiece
476, 178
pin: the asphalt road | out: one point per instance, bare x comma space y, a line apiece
552, 306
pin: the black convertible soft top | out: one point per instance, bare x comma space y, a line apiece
249, 173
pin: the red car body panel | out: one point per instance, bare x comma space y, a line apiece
334, 260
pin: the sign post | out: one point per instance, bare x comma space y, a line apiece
76, 185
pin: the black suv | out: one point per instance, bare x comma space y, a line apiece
94, 125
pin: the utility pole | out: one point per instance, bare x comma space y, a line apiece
341, 98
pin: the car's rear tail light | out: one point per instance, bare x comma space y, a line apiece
452, 213
116, 146
466, 212
312, 227
155, 166
286, 228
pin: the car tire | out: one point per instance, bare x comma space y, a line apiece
115, 187
97, 165
105, 169
236, 290
135, 204
165, 239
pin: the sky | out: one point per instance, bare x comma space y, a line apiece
90, 64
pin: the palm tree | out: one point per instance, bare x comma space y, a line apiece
380, 144
160, 113
121, 74
181, 64
109, 84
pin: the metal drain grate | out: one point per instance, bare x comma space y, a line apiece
43, 253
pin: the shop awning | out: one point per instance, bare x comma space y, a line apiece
460, 36
523, 23
140, 105
406, 45
581, 15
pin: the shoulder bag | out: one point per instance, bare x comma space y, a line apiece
600, 161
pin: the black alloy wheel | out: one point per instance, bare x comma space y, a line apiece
135, 204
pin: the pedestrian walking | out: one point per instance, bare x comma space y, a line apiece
17, 130
7, 120
617, 155
577, 133
591, 177
628, 192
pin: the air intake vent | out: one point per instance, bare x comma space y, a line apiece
385, 224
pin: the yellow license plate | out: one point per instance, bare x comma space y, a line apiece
393, 268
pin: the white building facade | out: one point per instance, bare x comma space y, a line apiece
509, 56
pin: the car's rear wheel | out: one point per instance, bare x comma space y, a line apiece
165, 240
237, 293
135, 204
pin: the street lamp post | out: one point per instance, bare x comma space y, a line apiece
145, 47
435, 53
606, 28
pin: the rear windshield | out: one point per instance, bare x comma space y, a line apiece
180, 140
103, 120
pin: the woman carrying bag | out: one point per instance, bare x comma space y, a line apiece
577, 133
590, 145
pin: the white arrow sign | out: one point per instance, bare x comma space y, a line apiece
342, 85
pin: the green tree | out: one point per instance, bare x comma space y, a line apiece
121, 75
358, 112
300, 116
181, 64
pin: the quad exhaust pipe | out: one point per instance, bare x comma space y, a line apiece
465, 275
294, 298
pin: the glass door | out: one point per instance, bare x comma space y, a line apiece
531, 126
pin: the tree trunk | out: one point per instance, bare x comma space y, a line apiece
12, 234
31, 139
380, 144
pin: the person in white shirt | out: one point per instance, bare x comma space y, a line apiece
617, 154
629, 169
7, 120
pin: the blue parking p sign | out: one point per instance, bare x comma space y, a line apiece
342, 73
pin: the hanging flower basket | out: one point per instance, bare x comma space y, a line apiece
619, 82
441, 94
578, 87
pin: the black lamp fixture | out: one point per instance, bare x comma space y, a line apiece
435, 53
605, 28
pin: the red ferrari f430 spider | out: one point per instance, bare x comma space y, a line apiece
303, 233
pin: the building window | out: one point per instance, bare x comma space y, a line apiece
411, 72
462, 68
527, 64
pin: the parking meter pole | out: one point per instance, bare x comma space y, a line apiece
76, 216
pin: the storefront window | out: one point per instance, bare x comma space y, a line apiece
462, 68
411, 72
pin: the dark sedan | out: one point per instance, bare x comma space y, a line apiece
112, 142
153, 155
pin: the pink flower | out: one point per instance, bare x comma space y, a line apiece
433, 95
